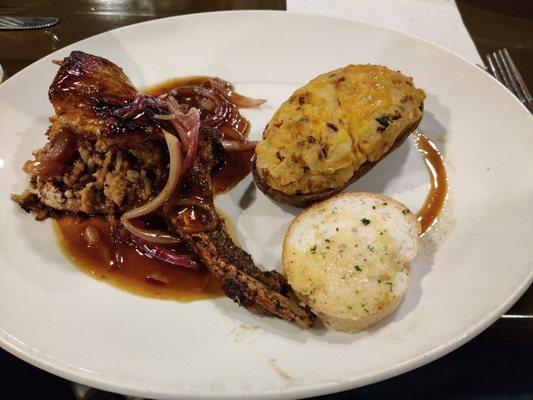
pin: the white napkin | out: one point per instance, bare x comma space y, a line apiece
438, 21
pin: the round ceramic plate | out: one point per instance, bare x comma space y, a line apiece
472, 267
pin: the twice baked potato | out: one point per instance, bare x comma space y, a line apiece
333, 130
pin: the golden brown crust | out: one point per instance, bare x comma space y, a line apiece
334, 124
304, 200
86, 91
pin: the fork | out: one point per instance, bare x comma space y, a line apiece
504, 69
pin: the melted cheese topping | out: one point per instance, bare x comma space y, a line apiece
323, 133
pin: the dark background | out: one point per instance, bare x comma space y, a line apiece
498, 364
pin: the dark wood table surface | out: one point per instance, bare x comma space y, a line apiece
496, 364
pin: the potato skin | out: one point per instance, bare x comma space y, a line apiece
329, 129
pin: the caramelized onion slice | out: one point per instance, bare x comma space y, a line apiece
62, 147
53, 161
150, 235
139, 104
174, 174
44, 169
226, 90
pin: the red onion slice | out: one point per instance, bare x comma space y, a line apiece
174, 174
194, 122
164, 254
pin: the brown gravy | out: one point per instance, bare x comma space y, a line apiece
138, 273
427, 215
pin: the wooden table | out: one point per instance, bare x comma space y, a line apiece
492, 25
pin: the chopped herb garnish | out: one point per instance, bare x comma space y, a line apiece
358, 268
384, 204
365, 221
327, 241
406, 211
313, 249
373, 207
370, 248
390, 285
384, 121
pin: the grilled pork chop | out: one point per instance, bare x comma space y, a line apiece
99, 161
94, 162
241, 279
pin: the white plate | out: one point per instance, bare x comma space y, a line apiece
57, 318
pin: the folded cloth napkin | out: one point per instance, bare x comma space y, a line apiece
438, 21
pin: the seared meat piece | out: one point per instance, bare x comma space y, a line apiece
98, 161
85, 93
225, 249
241, 279
115, 162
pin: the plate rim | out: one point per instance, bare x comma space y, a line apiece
59, 368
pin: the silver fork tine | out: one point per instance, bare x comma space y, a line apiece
493, 68
517, 76
503, 72
518, 93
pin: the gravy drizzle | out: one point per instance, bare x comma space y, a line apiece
436, 197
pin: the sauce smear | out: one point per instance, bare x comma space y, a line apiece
136, 273
436, 196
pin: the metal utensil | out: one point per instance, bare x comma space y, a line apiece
16, 22
504, 69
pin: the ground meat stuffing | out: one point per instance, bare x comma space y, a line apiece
103, 178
